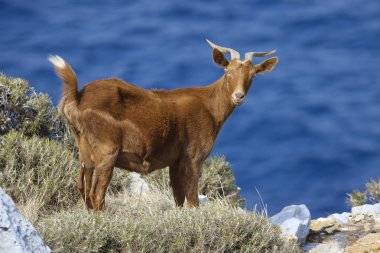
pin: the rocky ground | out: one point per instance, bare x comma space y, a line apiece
354, 232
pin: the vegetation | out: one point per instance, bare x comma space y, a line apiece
38, 169
371, 194
216, 181
153, 224
26, 111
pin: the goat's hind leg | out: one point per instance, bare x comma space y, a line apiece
103, 174
84, 182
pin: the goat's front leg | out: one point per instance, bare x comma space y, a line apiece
190, 180
177, 184
102, 178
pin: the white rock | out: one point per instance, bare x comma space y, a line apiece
329, 247
339, 218
346, 214
366, 209
293, 220
358, 217
376, 208
377, 219
202, 199
137, 185
321, 219
241, 210
17, 234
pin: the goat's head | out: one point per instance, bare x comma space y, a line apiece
239, 74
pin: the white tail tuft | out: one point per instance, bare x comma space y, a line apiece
57, 61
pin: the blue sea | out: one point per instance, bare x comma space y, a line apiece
309, 131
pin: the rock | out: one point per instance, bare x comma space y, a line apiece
339, 218
17, 234
202, 199
377, 218
358, 218
366, 209
367, 243
137, 185
321, 224
241, 210
294, 221
326, 247
333, 229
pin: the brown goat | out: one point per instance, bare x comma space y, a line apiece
117, 124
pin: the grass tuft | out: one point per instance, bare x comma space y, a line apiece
356, 198
371, 194
373, 190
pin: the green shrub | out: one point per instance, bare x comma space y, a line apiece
28, 112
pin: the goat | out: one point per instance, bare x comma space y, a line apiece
117, 124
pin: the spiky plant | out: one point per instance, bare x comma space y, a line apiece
373, 190
356, 198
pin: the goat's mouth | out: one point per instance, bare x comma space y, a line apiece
237, 102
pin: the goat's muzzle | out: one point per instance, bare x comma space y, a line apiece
238, 98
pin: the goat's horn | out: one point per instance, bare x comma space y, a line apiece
249, 55
234, 54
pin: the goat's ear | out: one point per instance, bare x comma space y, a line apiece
219, 58
266, 65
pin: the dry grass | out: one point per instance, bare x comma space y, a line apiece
37, 170
373, 190
152, 223
356, 198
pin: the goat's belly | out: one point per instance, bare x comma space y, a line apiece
136, 163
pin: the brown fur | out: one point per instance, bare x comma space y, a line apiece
117, 124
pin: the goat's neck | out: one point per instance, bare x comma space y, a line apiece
219, 102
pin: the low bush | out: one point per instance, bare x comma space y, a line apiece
218, 181
132, 224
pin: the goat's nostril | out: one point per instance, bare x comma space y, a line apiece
239, 95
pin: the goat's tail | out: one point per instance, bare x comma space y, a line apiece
69, 78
